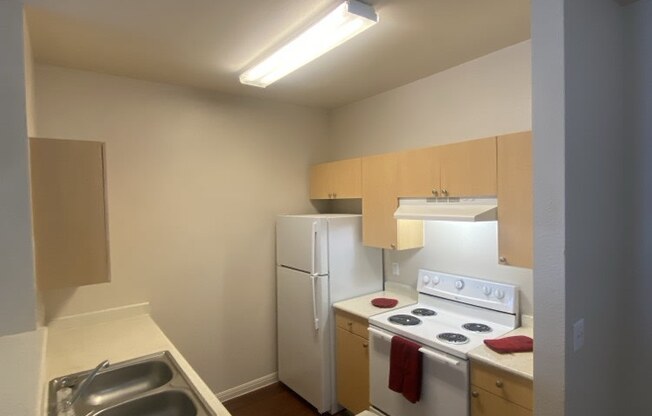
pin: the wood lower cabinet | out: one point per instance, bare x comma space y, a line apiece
496, 392
379, 201
336, 180
69, 212
352, 355
515, 205
484, 403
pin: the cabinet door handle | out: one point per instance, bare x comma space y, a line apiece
499, 384
502, 260
475, 394
334, 195
435, 192
444, 192
392, 246
365, 344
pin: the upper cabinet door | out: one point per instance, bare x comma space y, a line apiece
69, 212
336, 180
469, 168
419, 172
515, 212
379, 201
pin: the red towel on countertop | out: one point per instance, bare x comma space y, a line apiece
384, 302
405, 368
517, 343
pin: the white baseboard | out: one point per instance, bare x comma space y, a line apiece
248, 387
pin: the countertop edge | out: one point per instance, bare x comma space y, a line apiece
520, 364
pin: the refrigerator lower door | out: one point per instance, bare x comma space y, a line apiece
303, 351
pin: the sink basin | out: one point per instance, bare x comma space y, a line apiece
146, 386
167, 403
127, 381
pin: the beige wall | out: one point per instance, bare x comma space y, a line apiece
17, 287
485, 97
195, 180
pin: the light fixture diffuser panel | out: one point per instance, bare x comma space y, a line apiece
343, 23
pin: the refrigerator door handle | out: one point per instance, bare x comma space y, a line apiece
313, 278
313, 250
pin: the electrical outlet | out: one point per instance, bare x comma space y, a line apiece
578, 335
395, 269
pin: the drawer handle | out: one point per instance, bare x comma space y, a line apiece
499, 384
475, 394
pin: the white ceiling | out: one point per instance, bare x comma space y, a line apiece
207, 43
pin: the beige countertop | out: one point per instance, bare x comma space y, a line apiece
521, 363
74, 348
362, 307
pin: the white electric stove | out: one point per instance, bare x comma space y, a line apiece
454, 314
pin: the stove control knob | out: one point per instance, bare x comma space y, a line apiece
459, 285
500, 294
426, 280
486, 290
435, 280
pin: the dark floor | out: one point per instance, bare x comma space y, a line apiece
274, 400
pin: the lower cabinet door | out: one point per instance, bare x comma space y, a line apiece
352, 371
484, 403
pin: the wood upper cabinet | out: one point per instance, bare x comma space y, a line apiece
379, 201
496, 392
69, 212
336, 180
459, 169
468, 168
352, 362
419, 172
515, 212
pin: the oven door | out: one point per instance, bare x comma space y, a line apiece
444, 387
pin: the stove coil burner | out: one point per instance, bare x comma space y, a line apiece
453, 338
404, 320
424, 312
475, 327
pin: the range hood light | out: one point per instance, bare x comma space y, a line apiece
454, 209
346, 21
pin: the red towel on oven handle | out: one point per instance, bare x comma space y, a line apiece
405, 362
516, 343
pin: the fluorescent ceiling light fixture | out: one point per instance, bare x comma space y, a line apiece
346, 21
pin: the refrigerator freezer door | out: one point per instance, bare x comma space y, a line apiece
304, 360
302, 243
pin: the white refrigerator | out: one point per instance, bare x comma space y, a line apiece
320, 260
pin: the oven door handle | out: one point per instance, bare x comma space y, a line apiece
380, 333
432, 354
439, 357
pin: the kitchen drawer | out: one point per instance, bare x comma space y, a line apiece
484, 403
351, 323
503, 384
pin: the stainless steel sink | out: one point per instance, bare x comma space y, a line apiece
168, 403
153, 385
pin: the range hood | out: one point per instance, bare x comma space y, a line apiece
447, 209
